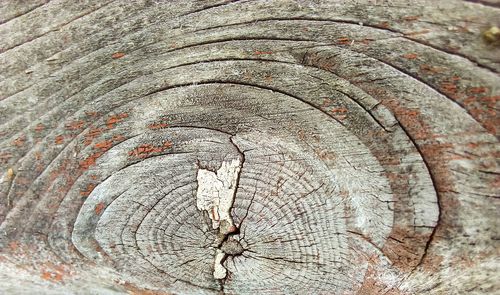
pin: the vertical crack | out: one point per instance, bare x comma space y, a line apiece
216, 194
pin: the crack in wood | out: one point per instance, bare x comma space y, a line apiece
215, 194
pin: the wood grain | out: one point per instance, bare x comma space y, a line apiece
243, 147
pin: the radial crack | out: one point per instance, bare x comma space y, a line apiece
215, 194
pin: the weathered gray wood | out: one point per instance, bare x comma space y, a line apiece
242, 147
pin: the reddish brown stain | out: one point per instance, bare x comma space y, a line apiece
88, 190
98, 208
101, 147
75, 125
433, 263
343, 41
411, 18
91, 114
449, 88
91, 135
366, 41
59, 139
405, 247
144, 150
415, 33
117, 55
384, 25
115, 119
90, 160
52, 276
476, 90
104, 145
155, 126
410, 56
54, 273
118, 138
19, 142
339, 113
371, 282
257, 52
436, 154
426, 69
13, 246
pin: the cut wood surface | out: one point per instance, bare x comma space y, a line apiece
249, 147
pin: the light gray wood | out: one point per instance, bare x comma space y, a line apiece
249, 147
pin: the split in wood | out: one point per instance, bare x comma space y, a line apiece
215, 194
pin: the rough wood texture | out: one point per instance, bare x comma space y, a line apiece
249, 147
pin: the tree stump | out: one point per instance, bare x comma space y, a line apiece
249, 147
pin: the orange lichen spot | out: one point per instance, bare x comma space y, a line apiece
104, 145
115, 119
91, 135
117, 55
90, 187
257, 52
155, 126
19, 141
410, 56
39, 127
144, 150
98, 208
344, 41
59, 139
90, 161
411, 18
75, 125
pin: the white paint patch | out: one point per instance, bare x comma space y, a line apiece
216, 192
219, 271
215, 195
